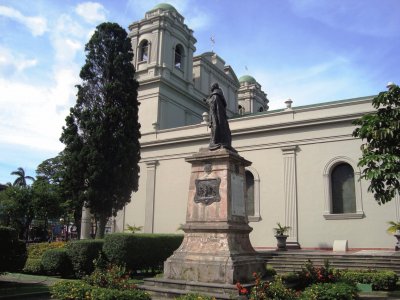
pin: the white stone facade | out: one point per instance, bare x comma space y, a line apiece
293, 150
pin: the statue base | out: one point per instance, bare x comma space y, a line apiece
216, 246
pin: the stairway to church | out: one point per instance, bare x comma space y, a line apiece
293, 260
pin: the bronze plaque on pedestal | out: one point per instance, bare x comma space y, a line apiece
207, 191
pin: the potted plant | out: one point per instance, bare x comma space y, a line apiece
394, 229
281, 236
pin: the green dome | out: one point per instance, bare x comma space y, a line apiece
164, 6
247, 78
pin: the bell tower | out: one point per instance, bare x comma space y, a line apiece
163, 49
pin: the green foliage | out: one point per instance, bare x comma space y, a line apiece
394, 227
21, 179
291, 278
33, 266
380, 280
46, 200
101, 135
330, 291
37, 250
140, 251
270, 271
12, 251
281, 230
263, 290
16, 203
133, 228
56, 262
380, 132
278, 291
82, 254
311, 274
192, 296
99, 286
69, 290
113, 277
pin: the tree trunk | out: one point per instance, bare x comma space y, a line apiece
102, 227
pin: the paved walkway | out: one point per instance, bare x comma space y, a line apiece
20, 286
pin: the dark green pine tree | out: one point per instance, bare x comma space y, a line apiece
102, 131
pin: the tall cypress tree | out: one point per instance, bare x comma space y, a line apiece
102, 131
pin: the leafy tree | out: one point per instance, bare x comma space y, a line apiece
54, 187
21, 180
46, 200
102, 130
16, 203
380, 132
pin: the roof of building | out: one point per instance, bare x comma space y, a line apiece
247, 78
164, 6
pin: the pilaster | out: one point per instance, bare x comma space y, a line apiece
150, 196
290, 194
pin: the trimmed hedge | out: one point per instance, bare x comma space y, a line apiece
37, 250
12, 250
140, 252
380, 280
330, 291
66, 290
33, 266
82, 253
56, 261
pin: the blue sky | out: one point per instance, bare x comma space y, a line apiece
308, 50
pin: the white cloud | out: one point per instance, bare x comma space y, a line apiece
91, 12
15, 61
28, 117
37, 25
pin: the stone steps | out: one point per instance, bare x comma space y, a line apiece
287, 262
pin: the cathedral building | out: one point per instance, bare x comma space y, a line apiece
304, 171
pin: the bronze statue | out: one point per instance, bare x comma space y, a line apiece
220, 132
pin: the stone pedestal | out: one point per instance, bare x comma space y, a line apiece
216, 249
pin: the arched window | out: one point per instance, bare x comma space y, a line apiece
252, 195
178, 61
343, 189
144, 51
249, 193
261, 109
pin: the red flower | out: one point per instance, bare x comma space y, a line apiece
243, 291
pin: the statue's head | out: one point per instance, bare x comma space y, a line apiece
214, 86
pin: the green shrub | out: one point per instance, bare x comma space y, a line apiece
330, 291
114, 277
311, 274
270, 271
291, 279
12, 251
140, 251
380, 280
77, 289
82, 254
277, 290
33, 266
267, 290
56, 261
112, 294
69, 290
37, 250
